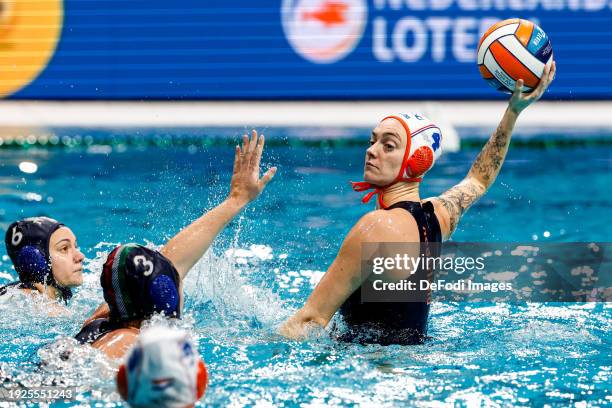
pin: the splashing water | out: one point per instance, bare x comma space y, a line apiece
238, 293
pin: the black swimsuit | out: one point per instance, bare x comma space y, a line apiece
94, 330
393, 322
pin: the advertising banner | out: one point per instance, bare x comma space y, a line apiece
290, 49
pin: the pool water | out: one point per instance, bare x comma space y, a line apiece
264, 265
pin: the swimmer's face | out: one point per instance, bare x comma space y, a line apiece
66, 259
384, 156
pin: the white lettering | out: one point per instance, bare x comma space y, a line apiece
419, 44
377, 269
440, 4
438, 26
499, 5
380, 49
141, 259
16, 237
594, 5
464, 40
485, 4
552, 4
468, 5
480, 263
424, 284
415, 264
531, 4
516, 5
416, 4
389, 263
393, 4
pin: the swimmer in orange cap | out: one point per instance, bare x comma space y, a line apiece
402, 149
138, 282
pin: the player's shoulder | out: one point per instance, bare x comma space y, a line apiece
116, 343
386, 226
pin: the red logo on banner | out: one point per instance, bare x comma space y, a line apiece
331, 13
324, 31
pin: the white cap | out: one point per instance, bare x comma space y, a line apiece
163, 369
424, 144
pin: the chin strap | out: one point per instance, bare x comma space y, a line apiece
364, 186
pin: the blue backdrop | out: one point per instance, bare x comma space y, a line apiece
383, 49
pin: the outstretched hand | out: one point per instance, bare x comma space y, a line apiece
519, 100
246, 185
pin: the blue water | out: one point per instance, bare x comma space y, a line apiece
264, 265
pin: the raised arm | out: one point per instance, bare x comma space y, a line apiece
188, 246
455, 202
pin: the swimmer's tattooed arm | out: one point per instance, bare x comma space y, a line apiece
188, 246
451, 205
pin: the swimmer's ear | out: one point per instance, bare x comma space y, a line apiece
202, 380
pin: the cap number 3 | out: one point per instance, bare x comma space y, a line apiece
142, 260
17, 237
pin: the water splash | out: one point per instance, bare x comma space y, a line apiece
224, 285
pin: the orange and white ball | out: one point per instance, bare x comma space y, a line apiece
511, 50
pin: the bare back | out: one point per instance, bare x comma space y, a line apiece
116, 343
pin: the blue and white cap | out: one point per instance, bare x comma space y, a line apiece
163, 369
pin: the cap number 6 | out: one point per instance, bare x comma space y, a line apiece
17, 237
142, 260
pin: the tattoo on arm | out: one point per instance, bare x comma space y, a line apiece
459, 199
490, 159
482, 174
